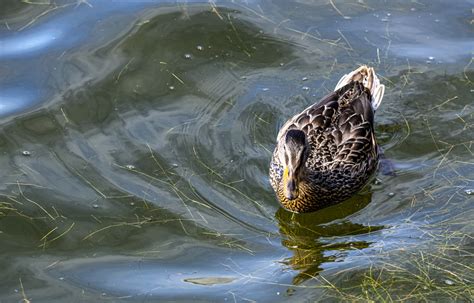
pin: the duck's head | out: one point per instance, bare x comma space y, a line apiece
293, 155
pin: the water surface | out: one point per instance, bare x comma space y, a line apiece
136, 138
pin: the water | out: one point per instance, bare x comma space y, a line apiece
137, 136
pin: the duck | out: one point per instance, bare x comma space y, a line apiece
328, 152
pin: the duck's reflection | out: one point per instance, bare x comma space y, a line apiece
303, 234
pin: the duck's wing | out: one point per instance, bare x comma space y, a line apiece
343, 109
360, 90
354, 127
316, 115
339, 128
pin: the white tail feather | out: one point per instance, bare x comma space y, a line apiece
366, 75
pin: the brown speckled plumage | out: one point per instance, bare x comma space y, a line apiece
342, 152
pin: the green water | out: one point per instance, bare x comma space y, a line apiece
136, 167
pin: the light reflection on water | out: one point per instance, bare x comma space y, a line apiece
31, 43
133, 190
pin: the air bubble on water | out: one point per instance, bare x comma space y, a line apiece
448, 282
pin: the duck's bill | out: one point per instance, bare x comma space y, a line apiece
291, 188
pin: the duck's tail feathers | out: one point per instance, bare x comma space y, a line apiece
366, 75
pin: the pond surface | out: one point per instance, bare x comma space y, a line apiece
136, 138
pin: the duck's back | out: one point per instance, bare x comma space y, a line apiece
339, 130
